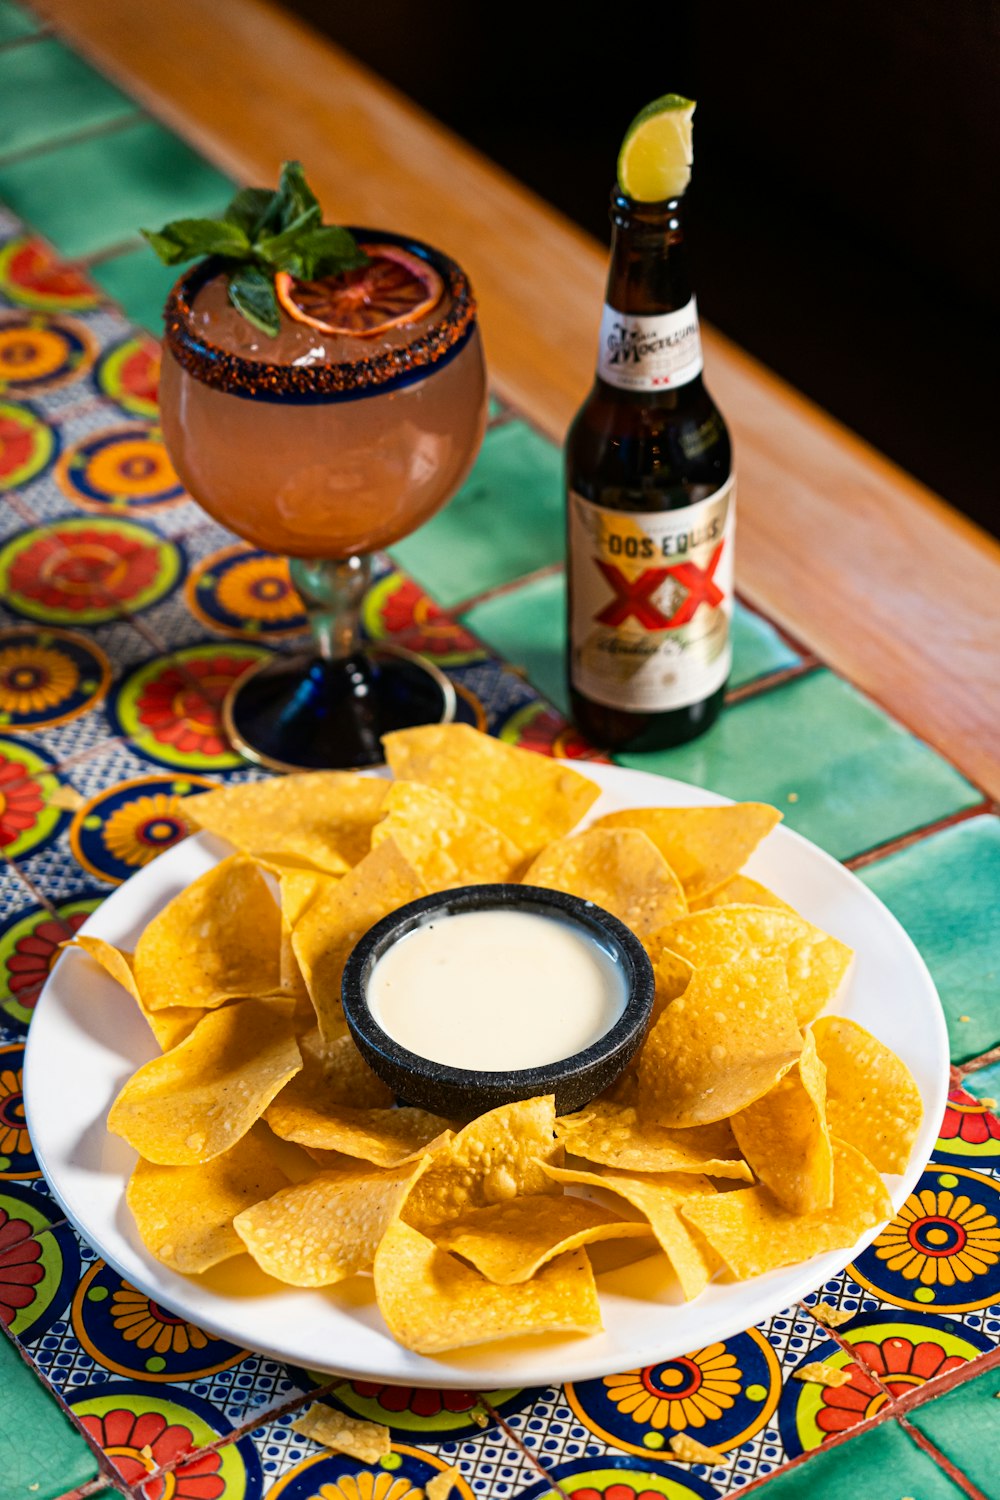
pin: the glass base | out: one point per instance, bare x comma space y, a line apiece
303, 713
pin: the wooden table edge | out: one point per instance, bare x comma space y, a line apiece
876, 575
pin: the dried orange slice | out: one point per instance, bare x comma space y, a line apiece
394, 287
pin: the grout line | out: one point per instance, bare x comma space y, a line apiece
34, 1235
43, 34
943, 1462
907, 840
984, 1060
549, 570
837, 1441
856, 1358
111, 252
791, 641
89, 133
771, 680
515, 1439
920, 1395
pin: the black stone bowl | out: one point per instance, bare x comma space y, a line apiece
461, 1093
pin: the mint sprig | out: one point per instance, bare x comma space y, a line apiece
262, 232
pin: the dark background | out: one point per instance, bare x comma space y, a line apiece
845, 208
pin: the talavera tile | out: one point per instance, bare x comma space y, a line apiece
946, 892
139, 283
841, 771
15, 22
883, 1462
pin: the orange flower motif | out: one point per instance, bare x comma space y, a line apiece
14, 1138
146, 1324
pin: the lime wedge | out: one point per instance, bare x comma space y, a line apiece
655, 160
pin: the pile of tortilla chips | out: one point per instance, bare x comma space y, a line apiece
749, 1132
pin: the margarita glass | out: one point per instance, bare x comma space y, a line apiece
326, 446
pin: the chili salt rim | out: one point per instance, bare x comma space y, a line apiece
214, 366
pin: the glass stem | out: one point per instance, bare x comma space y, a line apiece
332, 590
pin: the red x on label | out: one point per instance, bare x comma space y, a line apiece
635, 598
700, 584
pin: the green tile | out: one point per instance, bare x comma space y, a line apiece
984, 1083
41, 1453
505, 521
97, 192
48, 94
946, 892
964, 1425
527, 626
16, 22
881, 1464
842, 773
139, 283
757, 649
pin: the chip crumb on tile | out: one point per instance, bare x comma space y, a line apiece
965, 1018
690, 1451
441, 1486
830, 1316
822, 1374
988, 1103
366, 1441
480, 1415
793, 796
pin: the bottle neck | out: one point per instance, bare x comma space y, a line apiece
649, 272
650, 344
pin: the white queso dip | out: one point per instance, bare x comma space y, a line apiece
497, 990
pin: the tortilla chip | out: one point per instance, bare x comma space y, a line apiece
445, 844
199, 1099
441, 1486
740, 890
823, 1374
815, 963
333, 1074
339, 916
873, 1101
658, 1198
219, 940
494, 1159
785, 1138
383, 1136
690, 1451
830, 1316
168, 1026
531, 797
619, 869
185, 1215
720, 1045
320, 1231
615, 1135
432, 1302
365, 1441
754, 1234
510, 1242
703, 845
322, 818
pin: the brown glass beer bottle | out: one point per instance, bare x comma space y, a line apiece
650, 505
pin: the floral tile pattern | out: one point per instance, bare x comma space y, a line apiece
126, 614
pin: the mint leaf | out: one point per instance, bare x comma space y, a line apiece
252, 295
275, 249
326, 250
185, 239
293, 198
249, 208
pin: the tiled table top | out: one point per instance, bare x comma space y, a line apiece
109, 694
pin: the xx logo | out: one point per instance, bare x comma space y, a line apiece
634, 598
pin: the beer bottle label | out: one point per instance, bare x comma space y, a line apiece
651, 601
654, 353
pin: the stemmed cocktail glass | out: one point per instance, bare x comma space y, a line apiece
326, 447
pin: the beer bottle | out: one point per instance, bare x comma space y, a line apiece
650, 504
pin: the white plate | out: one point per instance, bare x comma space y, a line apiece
87, 1037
